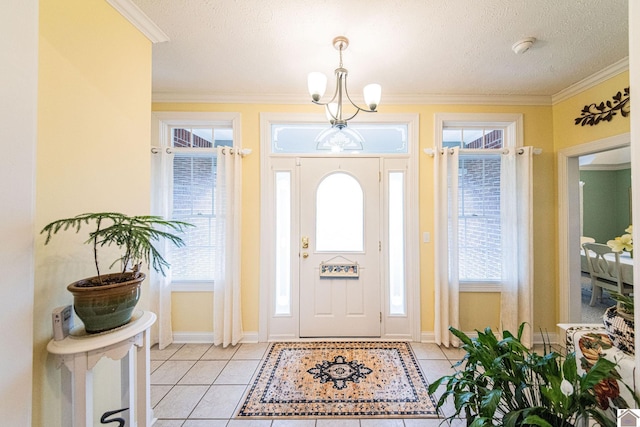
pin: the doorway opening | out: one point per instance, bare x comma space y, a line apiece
339, 220
571, 221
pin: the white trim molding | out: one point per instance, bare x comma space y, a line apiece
140, 20
413, 99
274, 327
591, 81
568, 228
538, 337
250, 337
296, 99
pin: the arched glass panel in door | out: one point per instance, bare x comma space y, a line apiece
339, 214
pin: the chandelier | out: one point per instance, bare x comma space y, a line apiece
318, 84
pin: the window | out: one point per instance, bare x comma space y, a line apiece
191, 179
479, 196
283, 242
340, 215
484, 196
396, 239
478, 223
358, 138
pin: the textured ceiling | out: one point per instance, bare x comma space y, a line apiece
235, 49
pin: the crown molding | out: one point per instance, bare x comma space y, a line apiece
228, 98
591, 81
469, 99
138, 19
185, 97
421, 99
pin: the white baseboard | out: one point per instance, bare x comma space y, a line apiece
207, 337
538, 338
252, 337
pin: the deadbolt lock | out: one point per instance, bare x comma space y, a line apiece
305, 242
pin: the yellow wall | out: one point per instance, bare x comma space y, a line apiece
537, 132
199, 305
94, 100
567, 134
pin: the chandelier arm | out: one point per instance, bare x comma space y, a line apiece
335, 117
353, 103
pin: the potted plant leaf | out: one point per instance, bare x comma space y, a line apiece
106, 301
502, 383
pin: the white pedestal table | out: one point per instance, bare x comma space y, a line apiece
79, 352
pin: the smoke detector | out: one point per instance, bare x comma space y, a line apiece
523, 45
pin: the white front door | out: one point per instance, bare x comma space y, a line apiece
340, 226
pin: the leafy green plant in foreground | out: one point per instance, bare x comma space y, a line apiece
501, 383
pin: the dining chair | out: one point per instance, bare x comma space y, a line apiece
586, 239
605, 273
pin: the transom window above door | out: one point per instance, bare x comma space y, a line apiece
363, 138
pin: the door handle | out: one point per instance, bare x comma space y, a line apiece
305, 255
305, 242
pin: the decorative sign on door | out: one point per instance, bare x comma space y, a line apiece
342, 270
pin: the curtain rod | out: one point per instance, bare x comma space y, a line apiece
242, 151
431, 152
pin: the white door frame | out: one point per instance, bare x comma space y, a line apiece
412, 320
568, 227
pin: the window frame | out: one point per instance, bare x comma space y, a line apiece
163, 123
512, 125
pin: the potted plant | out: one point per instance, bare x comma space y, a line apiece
619, 322
502, 383
106, 301
618, 319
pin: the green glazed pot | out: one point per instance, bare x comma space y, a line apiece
107, 306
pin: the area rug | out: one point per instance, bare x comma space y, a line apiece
339, 379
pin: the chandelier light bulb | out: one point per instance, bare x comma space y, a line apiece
372, 95
317, 83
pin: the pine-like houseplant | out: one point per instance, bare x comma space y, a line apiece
106, 301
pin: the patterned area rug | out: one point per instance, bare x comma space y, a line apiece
341, 379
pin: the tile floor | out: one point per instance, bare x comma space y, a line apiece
200, 385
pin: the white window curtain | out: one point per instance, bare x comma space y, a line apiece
159, 285
227, 317
517, 291
446, 241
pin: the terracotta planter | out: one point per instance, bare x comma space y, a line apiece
620, 329
106, 307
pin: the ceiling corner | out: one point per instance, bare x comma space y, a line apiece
139, 20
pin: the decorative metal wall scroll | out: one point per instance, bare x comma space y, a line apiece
595, 113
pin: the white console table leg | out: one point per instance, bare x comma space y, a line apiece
127, 384
67, 397
144, 412
82, 392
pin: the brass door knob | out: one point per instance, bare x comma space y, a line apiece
305, 255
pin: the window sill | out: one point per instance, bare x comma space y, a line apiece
192, 287
481, 287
